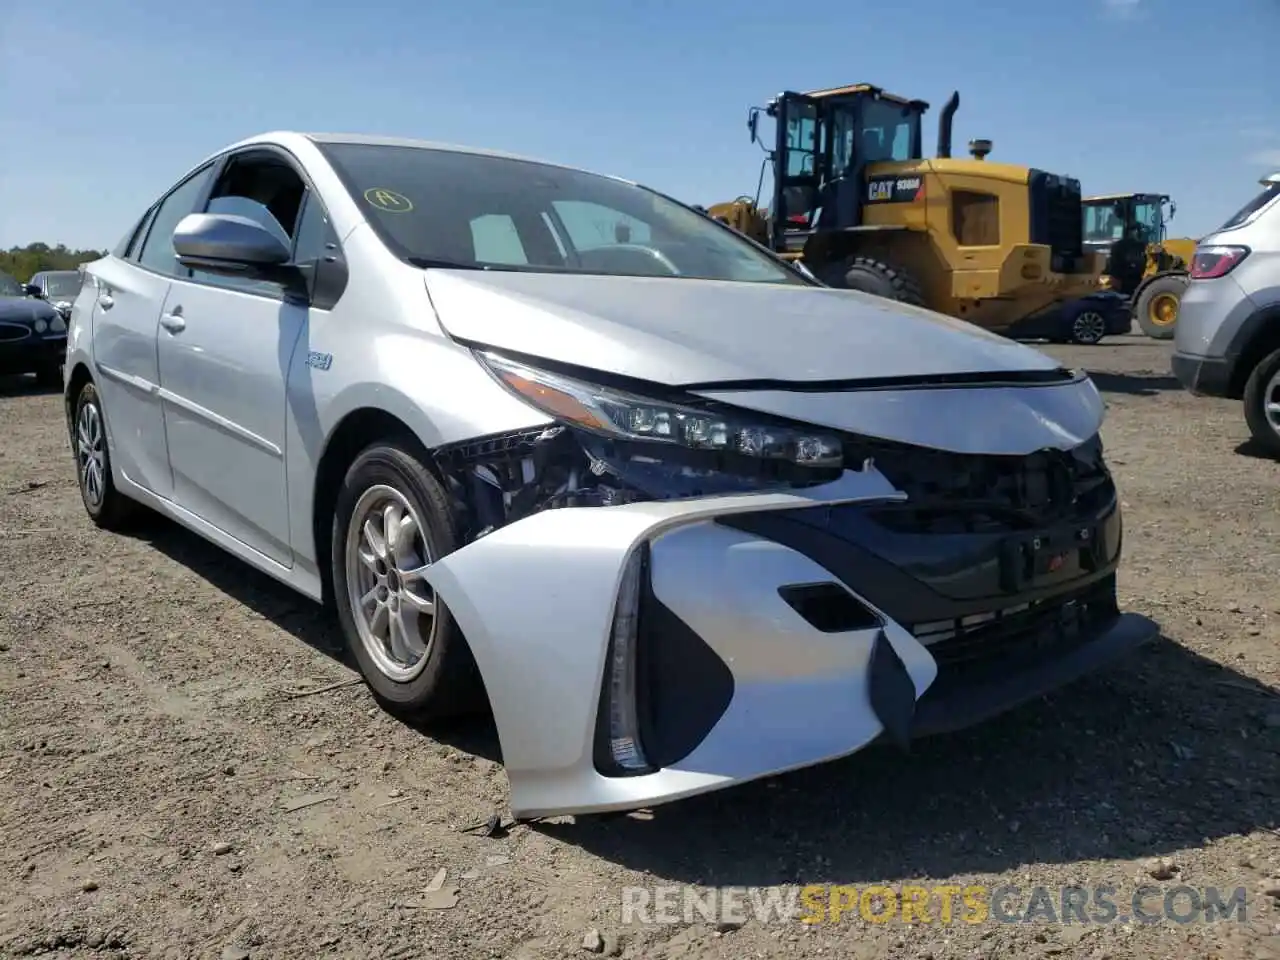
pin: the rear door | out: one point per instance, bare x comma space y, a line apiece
130, 294
225, 346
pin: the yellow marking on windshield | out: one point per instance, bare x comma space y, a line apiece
388, 200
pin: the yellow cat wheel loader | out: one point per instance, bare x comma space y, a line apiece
859, 205
1131, 230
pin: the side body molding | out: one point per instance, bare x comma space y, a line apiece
536, 602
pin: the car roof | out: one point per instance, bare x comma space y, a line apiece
288, 138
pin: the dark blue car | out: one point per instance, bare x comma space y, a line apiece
33, 334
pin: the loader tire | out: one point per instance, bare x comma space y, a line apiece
878, 278
1156, 308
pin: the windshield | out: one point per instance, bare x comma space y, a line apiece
1269, 192
448, 208
10, 287
63, 286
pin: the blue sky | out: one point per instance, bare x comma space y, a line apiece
108, 104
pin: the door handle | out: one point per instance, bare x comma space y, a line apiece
173, 322
106, 302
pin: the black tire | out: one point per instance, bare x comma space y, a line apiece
1258, 391
878, 278
1153, 295
111, 510
449, 684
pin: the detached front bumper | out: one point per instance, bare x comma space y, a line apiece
768, 632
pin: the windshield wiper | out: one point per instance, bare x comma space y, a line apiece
426, 262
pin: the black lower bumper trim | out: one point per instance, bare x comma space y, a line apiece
1204, 376
947, 707
891, 691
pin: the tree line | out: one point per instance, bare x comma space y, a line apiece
21, 262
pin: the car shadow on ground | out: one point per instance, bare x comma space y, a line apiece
303, 619
1134, 384
25, 386
1254, 450
1171, 750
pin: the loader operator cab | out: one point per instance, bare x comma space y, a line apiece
1125, 228
1111, 218
824, 140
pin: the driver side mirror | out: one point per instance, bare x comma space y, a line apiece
231, 245
753, 123
213, 240
32, 290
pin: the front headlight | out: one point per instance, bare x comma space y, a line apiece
620, 415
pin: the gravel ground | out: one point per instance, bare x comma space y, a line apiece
177, 781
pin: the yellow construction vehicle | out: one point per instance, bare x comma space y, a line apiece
1131, 229
858, 203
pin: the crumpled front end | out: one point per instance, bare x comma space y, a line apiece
641, 653
646, 633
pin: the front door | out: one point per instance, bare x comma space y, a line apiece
798, 166
225, 345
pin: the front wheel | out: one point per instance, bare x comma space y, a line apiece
1157, 306
391, 522
1262, 404
1088, 327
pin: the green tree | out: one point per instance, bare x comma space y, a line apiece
22, 262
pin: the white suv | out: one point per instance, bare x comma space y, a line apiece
1228, 338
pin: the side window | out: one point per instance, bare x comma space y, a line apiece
128, 246
591, 225
157, 249
975, 218
266, 189
496, 239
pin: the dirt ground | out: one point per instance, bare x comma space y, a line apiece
175, 781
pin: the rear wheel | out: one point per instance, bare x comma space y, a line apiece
107, 507
1157, 306
876, 277
393, 520
1262, 404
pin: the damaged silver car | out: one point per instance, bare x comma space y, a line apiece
554, 442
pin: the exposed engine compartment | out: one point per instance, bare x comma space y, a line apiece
499, 479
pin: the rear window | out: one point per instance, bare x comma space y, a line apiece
1269, 193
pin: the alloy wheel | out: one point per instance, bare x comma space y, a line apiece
393, 606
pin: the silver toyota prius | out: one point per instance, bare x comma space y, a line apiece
557, 445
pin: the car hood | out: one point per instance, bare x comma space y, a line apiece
835, 358
679, 332
25, 309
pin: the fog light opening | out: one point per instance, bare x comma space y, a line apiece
624, 722
829, 607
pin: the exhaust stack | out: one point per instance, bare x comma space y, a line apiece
979, 148
944, 124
